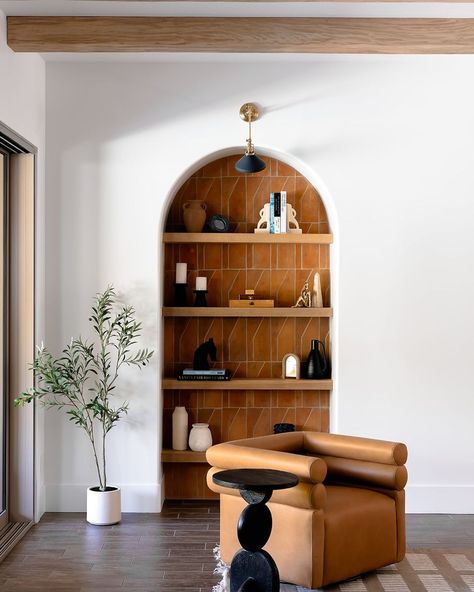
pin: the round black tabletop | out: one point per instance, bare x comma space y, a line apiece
255, 479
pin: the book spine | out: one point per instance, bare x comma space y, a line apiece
217, 372
277, 201
283, 215
272, 213
193, 377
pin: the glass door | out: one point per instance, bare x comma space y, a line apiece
3, 349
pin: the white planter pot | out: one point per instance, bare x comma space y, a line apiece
103, 507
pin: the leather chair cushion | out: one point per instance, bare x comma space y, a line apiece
360, 532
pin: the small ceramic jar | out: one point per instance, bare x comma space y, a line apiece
200, 437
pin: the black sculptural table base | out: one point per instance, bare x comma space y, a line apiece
253, 569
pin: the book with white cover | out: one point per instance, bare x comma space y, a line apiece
271, 223
277, 212
283, 213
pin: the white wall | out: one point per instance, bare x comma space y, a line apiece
390, 137
22, 108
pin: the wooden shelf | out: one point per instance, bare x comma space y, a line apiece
182, 456
247, 384
225, 311
246, 237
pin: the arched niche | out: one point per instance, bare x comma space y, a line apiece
252, 348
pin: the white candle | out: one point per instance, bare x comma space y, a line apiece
181, 273
201, 283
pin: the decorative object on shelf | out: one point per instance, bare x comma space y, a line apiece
263, 225
250, 162
255, 303
249, 300
249, 295
205, 350
292, 222
181, 273
214, 374
194, 215
203, 375
290, 366
317, 363
180, 295
200, 291
180, 285
200, 437
218, 223
304, 299
317, 299
200, 298
282, 428
82, 382
180, 428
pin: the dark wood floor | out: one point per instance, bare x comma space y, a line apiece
171, 551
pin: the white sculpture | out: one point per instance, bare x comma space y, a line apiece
264, 222
317, 299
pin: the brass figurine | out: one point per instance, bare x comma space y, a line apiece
304, 299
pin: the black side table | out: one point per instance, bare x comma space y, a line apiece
253, 569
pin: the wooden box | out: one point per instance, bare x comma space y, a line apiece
251, 303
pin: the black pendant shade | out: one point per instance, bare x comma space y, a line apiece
250, 163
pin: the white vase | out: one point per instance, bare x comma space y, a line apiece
103, 507
180, 428
200, 437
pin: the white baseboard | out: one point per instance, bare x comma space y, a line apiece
440, 499
145, 497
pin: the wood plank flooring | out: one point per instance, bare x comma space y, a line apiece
171, 551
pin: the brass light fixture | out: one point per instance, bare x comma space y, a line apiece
250, 162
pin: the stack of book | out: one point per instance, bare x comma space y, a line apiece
217, 374
278, 217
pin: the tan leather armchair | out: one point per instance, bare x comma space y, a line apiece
345, 517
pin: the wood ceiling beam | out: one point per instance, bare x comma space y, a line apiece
246, 35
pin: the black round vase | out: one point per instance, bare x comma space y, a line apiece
316, 364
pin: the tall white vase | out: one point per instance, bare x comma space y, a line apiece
180, 428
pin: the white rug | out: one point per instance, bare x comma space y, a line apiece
423, 570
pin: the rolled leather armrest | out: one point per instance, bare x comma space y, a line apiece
353, 447
304, 495
234, 456
361, 472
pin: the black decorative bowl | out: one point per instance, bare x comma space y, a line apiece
280, 428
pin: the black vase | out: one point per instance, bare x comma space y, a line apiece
317, 364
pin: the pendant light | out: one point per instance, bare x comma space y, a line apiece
250, 162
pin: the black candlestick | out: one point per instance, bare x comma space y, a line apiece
180, 297
200, 298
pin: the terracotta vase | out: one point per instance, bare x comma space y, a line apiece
194, 215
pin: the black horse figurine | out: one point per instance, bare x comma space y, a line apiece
206, 349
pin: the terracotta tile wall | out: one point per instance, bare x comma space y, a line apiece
252, 347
